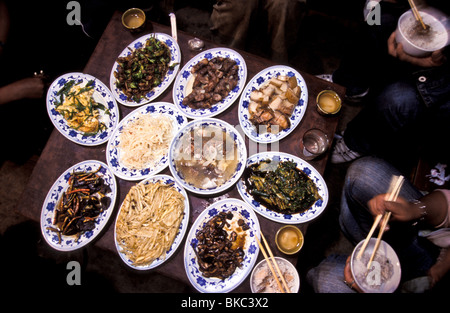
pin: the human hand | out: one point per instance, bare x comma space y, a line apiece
401, 209
440, 268
348, 277
395, 49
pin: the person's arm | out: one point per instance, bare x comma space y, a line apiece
431, 209
27, 88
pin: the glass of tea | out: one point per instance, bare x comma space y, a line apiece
328, 102
134, 19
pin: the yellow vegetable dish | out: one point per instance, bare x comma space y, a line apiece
79, 109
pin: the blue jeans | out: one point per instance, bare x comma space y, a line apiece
366, 178
402, 121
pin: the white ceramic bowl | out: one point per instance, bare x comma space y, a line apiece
225, 127
415, 48
372, 281
295, 287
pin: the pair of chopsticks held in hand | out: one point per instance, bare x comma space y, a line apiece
392, 194
269, 261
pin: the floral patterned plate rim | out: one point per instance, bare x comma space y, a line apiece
298, 218
102, 95
255, 83
226, 128
183, 78
251, 249
167, 180
113, 152
68, 243
175, 52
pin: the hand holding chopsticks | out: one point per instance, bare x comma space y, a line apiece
393, 192
269, 263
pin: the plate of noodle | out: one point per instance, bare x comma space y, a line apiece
151, 222
139, 146
82, 109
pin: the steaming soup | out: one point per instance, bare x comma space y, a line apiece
206, 157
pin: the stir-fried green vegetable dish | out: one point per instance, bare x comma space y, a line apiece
281, 186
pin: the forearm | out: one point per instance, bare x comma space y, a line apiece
7, 95
432, 208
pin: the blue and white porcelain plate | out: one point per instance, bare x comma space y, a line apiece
113, 152
298, 218
251, 248
256, 83
68, 243
102, 95
226, 128
167, 180
185, 77
168, 79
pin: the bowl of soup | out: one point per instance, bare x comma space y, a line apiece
207, 156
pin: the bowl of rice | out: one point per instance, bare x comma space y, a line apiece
384, 274
416, 40
263, 281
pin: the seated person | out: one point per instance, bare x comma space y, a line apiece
422, 247
240, 24
409, 104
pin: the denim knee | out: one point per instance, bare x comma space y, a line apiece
400, 104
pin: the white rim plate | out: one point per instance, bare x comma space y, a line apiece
68, 243
113, 152
207, 284
102, 95
240, 145
185, 75
257, 81
158, 90
308, 169
167, 180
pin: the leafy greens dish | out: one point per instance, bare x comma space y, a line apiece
280, 186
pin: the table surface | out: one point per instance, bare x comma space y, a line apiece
60, 153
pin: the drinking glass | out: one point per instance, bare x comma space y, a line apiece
315, 142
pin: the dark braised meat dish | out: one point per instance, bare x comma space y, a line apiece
281, 187
214, 79
80, 205
143, 69
219, 253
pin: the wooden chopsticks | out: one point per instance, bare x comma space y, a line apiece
392, 194
286, 288
416, 13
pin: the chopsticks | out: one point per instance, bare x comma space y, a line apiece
173, 25
392, 194
270, 264
416, 13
